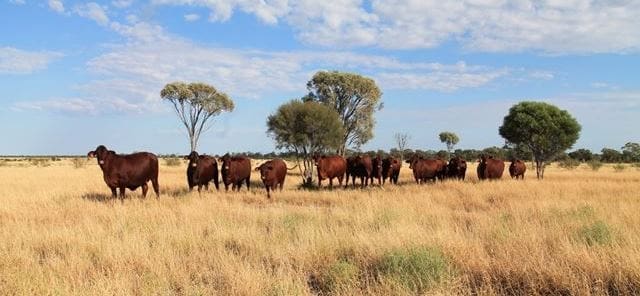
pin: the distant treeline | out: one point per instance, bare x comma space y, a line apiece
630, 153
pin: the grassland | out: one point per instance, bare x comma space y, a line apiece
575, 233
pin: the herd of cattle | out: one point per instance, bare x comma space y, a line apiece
131, 171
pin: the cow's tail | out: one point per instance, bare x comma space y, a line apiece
295, 166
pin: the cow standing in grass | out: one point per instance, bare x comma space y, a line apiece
330, 167
235, 170
127, 171
202, 169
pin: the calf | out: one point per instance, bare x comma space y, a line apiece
517, 169
330, 167
127, 171
273, 173
391, 169
235, 170
457, 168
490, 168
201, 170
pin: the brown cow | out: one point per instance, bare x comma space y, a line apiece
490, 168
376, 172
457, 168
517, 169
201, 170
273, 173
426, 169
359, 166
391, 169
330, 167
235, 170
127, 171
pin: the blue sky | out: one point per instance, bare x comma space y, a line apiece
78, 74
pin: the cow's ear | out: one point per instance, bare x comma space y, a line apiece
257, 168
112, 152
91, 154
185, 157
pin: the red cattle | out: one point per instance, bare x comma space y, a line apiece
457, 168
273, 173
490, 168
201, 170
426, 169
359, 166
517, 169
376, 172
391, 169
127, 171
330, 167
235, 170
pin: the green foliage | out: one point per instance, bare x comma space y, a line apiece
569, 163
543, 128
619, 167
196, 103
597, 233
305, 127
450, 139
581, 155
631, 152
595, 165
78, 162
417, 269
172, 161
354, 97
610, 155
337, 277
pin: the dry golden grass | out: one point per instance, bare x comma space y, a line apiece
574, 233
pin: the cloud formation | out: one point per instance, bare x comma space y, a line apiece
17, 61
550, 27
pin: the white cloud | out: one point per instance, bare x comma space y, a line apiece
191, 17
542, 75
551, 27
16, 61
122, 3
56, 5
129, 76
17, 2
93, 11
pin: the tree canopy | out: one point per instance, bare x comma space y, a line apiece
305, 128
543, 128
195, 104
354, 97
450, 139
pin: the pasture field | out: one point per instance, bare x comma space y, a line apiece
575, 233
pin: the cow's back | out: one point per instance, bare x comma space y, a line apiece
332, 166
132, 170
494, 168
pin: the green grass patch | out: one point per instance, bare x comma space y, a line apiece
597, 233
415, 269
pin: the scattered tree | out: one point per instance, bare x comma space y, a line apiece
610, 155
195, 104
543, 128
305, 128
450, 139
354, 97
631, 152
402, 140
582, 155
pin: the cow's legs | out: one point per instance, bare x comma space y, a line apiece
145, 188
330, 183
156, 186
199, 188
248, 181
122, 188
114, 194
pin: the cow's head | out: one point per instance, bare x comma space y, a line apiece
225, 160
193, 159
101, 153
266, 171
316, 158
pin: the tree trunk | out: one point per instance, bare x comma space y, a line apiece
192, 141
540, 169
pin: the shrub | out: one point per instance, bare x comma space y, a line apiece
40, 162
619, 167
172, 161
597, 233
636, 165
569, 164
339, 276
78, 162
595, 165
416, 269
